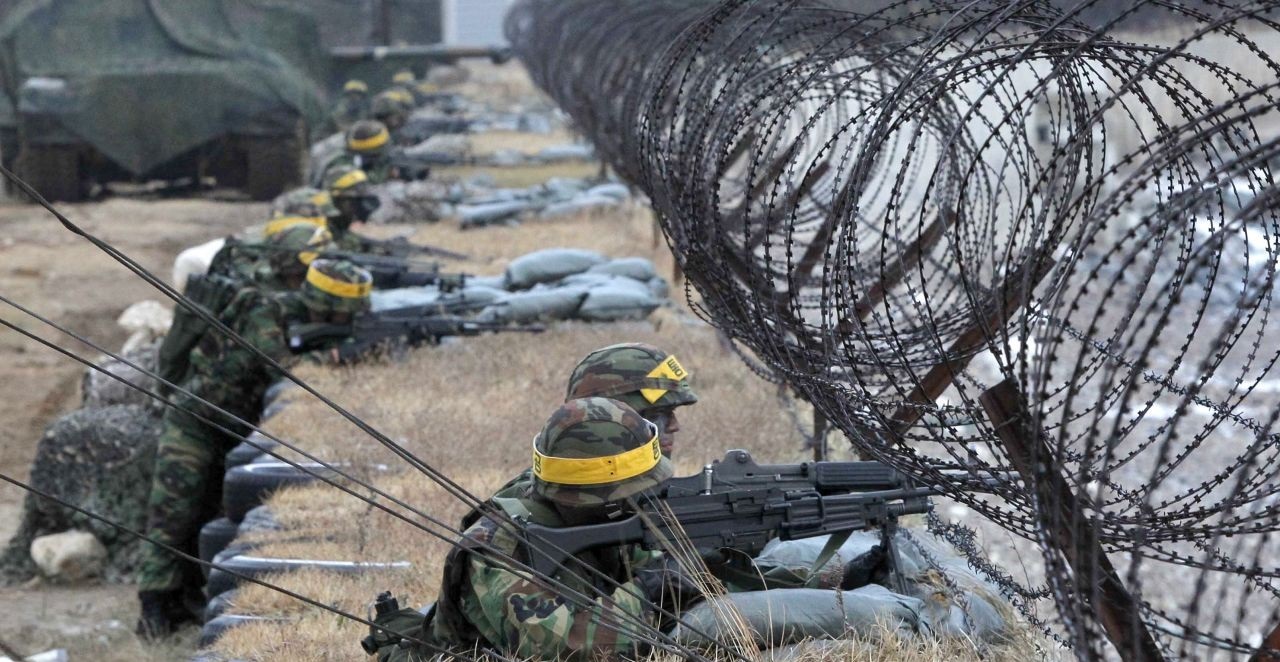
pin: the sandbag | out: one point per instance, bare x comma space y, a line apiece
581, 204
616, 302
659, 287
968, 610
541, 304
781, 617
549, 265
613, 190
637, 268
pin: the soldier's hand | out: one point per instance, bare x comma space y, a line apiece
668, 585
862, 569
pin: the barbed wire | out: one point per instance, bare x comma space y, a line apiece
1054, 222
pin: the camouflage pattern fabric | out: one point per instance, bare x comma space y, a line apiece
377, 166
620, 371
185, 493
190, 452
302, 201
596, 428
323, 276
510, 612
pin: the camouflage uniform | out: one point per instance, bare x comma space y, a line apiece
368, 146
275, 264
484, 603
189, 457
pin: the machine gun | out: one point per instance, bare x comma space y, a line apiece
740, 505
391, 329
392, 272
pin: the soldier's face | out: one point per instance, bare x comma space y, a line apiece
668, 425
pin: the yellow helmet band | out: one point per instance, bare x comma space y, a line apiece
338, 288
669, 368
350, 179
372, 142
278, 225
597, 470
355, 86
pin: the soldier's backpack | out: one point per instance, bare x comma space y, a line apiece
212, 293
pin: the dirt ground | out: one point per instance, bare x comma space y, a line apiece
47, 268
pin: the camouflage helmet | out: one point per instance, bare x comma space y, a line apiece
282, 224
302, 201
355, 86
346, 181
403, 77
594, 451
390, 104
368, 137
292, 250
337, 286
642, 376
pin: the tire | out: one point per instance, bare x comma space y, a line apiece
219, 605
246, 452
274, 164
218, 626
52, 170
221, 581
259, 518
246, 486
214, 537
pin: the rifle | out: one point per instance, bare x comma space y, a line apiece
399, 327
737, 504
392, 272
401, 247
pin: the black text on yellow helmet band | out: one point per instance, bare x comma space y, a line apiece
377, 140
669, 372
597, 470
330, 285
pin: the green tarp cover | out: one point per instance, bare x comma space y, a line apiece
147, 80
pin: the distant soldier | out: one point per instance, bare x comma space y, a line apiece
352, 201
189, 457
368, 148
351, 107
393, 108
591, 456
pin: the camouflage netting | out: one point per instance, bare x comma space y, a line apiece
100, 459
254, 66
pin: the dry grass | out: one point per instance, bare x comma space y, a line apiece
470, 409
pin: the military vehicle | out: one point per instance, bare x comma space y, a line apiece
101, 91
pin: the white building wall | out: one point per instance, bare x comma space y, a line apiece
474, 22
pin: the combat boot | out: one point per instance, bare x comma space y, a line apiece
163, 612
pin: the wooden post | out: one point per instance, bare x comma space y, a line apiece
819, 435
1270, 648
1062, 514
1015, 290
